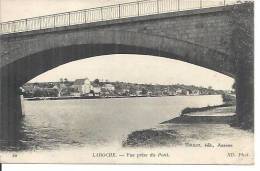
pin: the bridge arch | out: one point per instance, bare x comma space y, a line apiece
36, 57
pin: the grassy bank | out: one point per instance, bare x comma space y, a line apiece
202, 109
151, 138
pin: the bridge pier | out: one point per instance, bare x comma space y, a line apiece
10, 112
245, 94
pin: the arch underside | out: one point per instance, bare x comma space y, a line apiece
43, 59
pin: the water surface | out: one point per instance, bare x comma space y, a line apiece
52, 124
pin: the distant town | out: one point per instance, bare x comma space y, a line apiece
84, 88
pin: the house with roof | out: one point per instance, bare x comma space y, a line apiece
82, 86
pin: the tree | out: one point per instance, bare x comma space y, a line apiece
144, 91
92, 92
96, 81
38, 93
132, 90
234, 86
66, 80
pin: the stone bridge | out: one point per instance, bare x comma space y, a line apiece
210, 37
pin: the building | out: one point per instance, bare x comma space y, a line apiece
76, 94
178, 91
172, 93
186, 92
109, 87
195, 92
139, 93
149, 93
83, 86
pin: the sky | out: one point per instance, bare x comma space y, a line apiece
19, 9
138, 69
131, 68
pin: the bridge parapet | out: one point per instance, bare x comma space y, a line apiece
113, 12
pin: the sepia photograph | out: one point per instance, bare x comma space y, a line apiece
127, 81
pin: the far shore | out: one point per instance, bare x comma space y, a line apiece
104, 97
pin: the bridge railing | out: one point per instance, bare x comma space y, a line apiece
125, 10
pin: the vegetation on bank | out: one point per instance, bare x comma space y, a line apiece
151, 138
229, 99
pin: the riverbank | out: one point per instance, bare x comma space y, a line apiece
215, 119
189, 110
80, 97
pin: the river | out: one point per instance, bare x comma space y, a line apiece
61, 124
